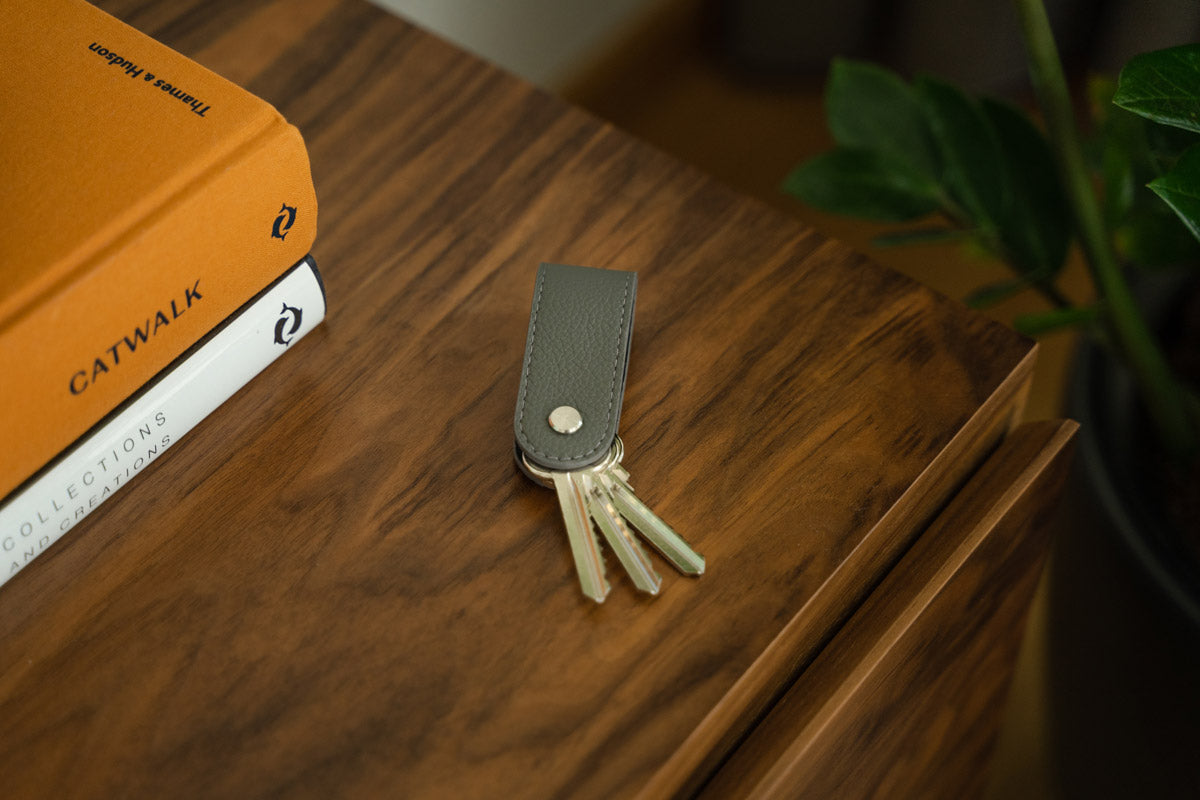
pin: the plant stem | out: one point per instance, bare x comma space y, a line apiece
1164, 396
1052, 294
995, 245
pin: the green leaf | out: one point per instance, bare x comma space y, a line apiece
1047, 321
1163, 86
1146, 145
1181, 189
1035, 225
863, 183
968, 149
1130, 152
872, 108
990, 295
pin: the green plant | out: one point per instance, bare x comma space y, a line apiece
908, 151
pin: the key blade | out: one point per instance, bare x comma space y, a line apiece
664, 539
584, 547
630, 553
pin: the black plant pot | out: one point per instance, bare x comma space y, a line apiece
1124, 610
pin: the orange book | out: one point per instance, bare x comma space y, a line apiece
143, 199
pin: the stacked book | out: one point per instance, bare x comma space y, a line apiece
155, 225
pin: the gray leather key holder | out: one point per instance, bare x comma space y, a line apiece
568, 409
576, 357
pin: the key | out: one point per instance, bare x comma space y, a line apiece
665, 540
599, 496
631, 555
565, 426
572, 499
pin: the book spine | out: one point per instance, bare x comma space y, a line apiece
118, 449
144, 299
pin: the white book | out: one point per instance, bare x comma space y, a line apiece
119, 447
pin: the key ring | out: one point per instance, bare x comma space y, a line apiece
546, 478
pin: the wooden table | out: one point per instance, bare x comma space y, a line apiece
339, 585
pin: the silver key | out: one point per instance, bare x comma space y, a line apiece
600, 496
665, 540
629, 552
572, 499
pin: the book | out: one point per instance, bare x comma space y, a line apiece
126, 165
135, 435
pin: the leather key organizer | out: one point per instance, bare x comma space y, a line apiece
576, 356
568, 412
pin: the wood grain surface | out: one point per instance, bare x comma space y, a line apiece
340, 585
906, 701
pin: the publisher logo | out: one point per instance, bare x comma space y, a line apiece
283, 221
287, 324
